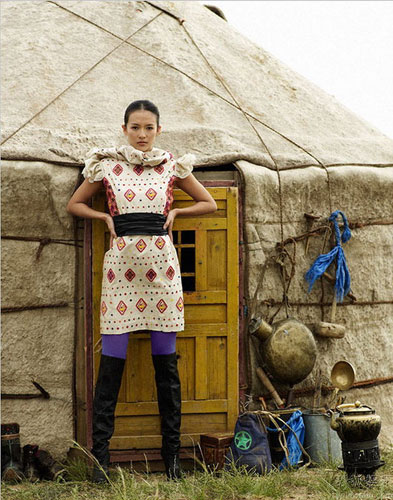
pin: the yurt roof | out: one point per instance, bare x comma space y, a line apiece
70, 68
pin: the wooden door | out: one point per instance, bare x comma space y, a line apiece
207, 248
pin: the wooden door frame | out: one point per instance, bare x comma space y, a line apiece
85, 394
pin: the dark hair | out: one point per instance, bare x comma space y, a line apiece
142, 104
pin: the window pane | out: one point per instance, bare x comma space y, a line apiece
188, 283
187, 260
188, 237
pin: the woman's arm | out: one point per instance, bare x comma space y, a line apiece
204, 201
78, 204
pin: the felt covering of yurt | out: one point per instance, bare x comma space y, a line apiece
69, 69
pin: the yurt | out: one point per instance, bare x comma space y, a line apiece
279, 156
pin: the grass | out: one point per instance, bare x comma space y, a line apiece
325, 482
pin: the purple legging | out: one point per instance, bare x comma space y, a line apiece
116, 345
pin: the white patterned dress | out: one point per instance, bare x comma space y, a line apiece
141, 283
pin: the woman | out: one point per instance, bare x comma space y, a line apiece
141, 287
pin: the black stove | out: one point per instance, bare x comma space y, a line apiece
360, 461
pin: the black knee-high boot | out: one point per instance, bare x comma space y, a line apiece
105, 398
169, 404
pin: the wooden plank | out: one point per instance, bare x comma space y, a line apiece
142, 442
233, 307
151, 424
217, 260
200, 368
98, 244
221, 204
206, 296
217, 369
218, 193
184, 223
200, 269
81, 378
205, 329
142, 381
192, 406
205, 313
218, 214
186, 352
132, 425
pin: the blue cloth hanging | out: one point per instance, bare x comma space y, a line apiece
343, 279
294, 451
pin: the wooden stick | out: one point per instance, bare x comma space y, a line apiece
269, 386
330, 278
334, 307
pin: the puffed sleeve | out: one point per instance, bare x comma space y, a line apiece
93, 170
184, 165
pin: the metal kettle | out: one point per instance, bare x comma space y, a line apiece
356, 422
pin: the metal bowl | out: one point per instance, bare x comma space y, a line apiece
342, 375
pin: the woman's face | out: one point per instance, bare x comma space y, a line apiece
141, 130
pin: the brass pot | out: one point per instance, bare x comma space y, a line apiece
356, 423
288, 349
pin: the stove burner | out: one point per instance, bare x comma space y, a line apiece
361, 459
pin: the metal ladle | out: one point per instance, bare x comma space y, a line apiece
342, 377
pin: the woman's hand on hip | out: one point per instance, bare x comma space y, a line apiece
169, 222
111, 227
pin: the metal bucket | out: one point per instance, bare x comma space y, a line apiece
320, 441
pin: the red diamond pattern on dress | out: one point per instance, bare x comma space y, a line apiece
150, 275
111, 198
170, 272
141, 245
138, 169
160, 242
103, 308
129, 194
159, 169
121, 307
110, 275
121, 244
180, 304
117, 169
129, 274
161, 306
151, 194
141, 305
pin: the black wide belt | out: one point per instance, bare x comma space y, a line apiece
139, 223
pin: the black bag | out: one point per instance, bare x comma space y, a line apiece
250, 446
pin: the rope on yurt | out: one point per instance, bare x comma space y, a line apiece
81, 76
282, 251
126, 41
42, 242
31, 308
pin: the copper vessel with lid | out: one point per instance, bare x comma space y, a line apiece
356, 422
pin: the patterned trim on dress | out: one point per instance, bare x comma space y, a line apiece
169, 195
110, 198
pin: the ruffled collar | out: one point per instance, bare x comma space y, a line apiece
130, 154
